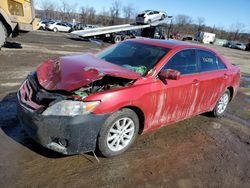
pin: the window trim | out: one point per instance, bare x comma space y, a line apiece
197, 62
195, 49
215, 55
218, 58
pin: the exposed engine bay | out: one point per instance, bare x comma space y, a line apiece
106, 83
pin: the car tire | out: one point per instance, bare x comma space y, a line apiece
163, 17
118, 132
149, 22
3, 34
117, 38
221, 104
55, 30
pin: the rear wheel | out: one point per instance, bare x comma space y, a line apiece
221, 104
118, 132
163, 17
117, 38
3, 34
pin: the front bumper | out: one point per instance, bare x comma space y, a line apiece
79, 132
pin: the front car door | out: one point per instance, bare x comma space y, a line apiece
177, 98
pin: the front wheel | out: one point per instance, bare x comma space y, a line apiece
221, 104
118, 132
55, 29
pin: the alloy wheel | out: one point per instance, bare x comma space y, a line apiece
120, 134
222, 104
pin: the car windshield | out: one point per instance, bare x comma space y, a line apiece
134, 56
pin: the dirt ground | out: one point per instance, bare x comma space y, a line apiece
199, 152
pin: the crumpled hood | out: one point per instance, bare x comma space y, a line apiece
72, 72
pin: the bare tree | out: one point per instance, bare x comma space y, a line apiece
183, 24
237, 28
182, 19
49, 9
200, 23
104, 17
115, 10
66, 10
128, 12
88, 15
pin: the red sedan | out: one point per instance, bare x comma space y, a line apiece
77, 104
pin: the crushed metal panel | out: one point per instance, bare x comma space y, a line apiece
72, 72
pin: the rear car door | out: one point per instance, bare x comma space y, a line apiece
212, 79
157, 15
59, 26
179, 97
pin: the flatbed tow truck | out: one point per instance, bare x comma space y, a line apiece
118, 33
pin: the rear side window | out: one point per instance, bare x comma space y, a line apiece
184, 62
221, 65
207, 61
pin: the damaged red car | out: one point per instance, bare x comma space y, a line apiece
82, 103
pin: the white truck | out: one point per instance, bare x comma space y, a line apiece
204, 37
118, 33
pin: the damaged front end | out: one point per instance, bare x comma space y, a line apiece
52, 105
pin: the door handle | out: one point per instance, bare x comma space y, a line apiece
225, 76
195, 82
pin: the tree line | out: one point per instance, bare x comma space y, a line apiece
118, 13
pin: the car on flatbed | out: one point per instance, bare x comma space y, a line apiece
149, 16
82, 103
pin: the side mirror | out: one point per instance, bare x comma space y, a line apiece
169, 74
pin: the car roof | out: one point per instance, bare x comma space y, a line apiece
171, 44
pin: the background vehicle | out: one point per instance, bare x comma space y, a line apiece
149, 16
181, 37
204, 37
100, 105
235, 45
82, 26
239, 45
42, 24
58, 26
15, 16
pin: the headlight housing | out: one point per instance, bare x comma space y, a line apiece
71, 108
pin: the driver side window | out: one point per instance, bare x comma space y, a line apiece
183, 61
